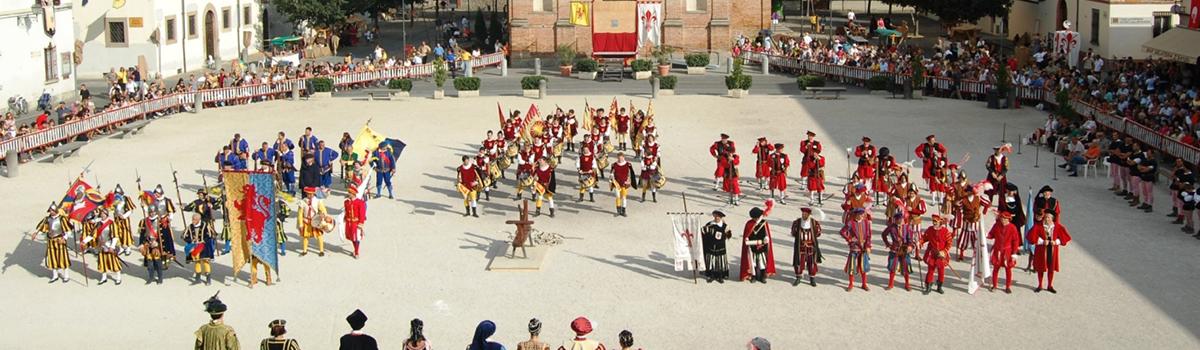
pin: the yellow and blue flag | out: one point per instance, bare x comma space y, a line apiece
250, 203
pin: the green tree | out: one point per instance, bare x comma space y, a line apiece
480, 30
952, 13
495, 32
322, 14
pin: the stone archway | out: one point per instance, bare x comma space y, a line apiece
1062, 14
210, 35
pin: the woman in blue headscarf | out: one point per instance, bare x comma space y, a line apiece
484, 331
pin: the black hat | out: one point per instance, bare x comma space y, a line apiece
214, 306
277, 323
884, 151
1008, 186
1045, 189
756, 213
718, 213
357, 319
724, 136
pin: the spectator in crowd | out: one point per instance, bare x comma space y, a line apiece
416, 336
625, 339
480, 340
534, 343
758, 343
1074, 156
277, 341
356, 339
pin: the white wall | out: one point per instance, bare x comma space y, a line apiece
1121, 39
23, 54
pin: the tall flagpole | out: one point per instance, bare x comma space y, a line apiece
687, 217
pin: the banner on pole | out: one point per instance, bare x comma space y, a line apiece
685, 228
250, 204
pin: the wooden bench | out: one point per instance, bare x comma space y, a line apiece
65, 150
132, 128
836, 90
371, 93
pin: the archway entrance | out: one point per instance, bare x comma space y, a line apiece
210, 35
1062, 14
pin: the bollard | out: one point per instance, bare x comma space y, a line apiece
468, 69
537, 66
1004, 134
766, 67
1020, 140
295, 91
199, 103
729, 65
13, 160
1037, 153
654, 87
1055, 168
504, 67
541, 89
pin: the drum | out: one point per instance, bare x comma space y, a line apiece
558, 149
608, 148
503, 163
553, 161
327, 224
658, 179
587, 181
525, 181
493, 171
512, 150
602, 162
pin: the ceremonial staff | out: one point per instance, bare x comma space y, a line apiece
695, 264
179, 196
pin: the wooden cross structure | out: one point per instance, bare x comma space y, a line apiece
524, 226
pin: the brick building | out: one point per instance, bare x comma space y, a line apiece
538, 26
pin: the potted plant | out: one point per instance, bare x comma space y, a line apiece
566, 59
916, 82
529, 85
440, 74
400, 87
1004, 88
322, 87
662, 55
805, 81
641, 69
738, 82
587, 68
878, 83
467, 86
666, 84
697, 62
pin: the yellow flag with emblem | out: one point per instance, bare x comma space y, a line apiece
581, 15
366, 142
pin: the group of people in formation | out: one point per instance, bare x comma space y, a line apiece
536, 147
956, 228
107, 230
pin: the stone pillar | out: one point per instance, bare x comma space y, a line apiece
729, 65
468, 69
296, 90
537, 66
766, 65
654, 87
504, 67
13, 160
199, 102
542, 88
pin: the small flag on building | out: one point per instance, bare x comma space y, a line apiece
581, 15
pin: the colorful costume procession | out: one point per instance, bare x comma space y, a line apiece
156, 241
1006, 243
857, 233
56, 226
652, 178
108, 261
312, 220
901, 241
762, 162
200, 238
122, 209
930, 153
714, 234
545, 185
354, 213
469, 184
938, 240
811, 149
623, 178
758, 256
1048, 237
723, 151
806, 252
779, 164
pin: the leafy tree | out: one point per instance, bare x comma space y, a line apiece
317, 13
480, 30
952, 13
495, 32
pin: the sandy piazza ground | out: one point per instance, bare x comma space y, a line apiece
1126, 280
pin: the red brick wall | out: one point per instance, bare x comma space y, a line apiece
536, 32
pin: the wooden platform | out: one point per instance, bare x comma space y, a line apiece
501, 261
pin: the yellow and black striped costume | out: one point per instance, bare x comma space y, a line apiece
56, 246
121, 227
109, 262
90, 230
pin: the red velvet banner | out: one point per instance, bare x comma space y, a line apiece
611, 43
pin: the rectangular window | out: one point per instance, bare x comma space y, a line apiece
226, 18
1162, 23
247, 19
170, 30
51, 57
543, 5
191, 25
696, 5
117, 30
1095, 26
65, 63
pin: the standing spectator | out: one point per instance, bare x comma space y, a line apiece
625, 338
84, 93
216, 335
277, 341
416, 336
582, 327
534, 343
758, 343
356, 339
310, 173
480, 341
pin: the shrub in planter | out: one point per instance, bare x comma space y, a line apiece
805, 81
440, 73
566, 55
321, 84
400, 84
531, 82
662, 55
586, 65
667, 82
466, 83
696, 59
738, 80
877, 83
641, 65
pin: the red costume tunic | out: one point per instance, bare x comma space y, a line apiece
886, 164
650, 150
622, 123
525, 162
762, 163
810, 149
467, 176
730, 183
939, 241
816, 180
1007, 242
544, 176
482, 162
720, 150
649, 166
926, 152
588, 143
746, 267
587, 164
538, 151
866, 171
572, 126
864, 151
622, 173
510, 131
1046, 256
356, 214
779, 165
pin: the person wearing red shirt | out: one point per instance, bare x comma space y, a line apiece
811, 149
780, 162
815, 179
586, 164
545, 185
622, 180
1006, 242
468, 185
762, 161
758, 256
650, 162
857, 233
483, 162
929, 153
1047, 238
622, 129
720, 150
355, 216
730, 178
938, 240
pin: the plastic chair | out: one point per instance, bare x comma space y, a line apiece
1092, 165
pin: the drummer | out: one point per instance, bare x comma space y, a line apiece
311, 222
586, 165
488, 169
